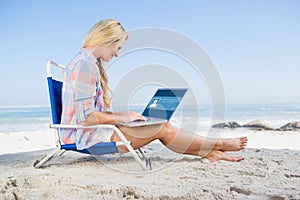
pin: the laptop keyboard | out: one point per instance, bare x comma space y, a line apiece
149, 119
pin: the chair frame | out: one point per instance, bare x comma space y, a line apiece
60, 149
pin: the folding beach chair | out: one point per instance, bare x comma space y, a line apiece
101, 148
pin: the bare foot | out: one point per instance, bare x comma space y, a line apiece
231, 144
214, 156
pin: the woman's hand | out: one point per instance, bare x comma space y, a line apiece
128, 117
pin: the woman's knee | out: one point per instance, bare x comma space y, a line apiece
170, 128
169, 131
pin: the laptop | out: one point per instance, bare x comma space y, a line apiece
160, 108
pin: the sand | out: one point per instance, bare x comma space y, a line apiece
264, 174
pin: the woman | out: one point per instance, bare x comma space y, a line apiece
86, 101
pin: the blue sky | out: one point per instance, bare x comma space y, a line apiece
254, 44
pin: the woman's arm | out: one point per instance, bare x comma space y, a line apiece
97, 117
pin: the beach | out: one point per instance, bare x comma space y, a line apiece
270, 169
264, 174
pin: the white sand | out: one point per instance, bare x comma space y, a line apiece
264, 174
17, 142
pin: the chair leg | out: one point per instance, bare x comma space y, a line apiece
136, 156
146, 158
130, 149
62, 152
39, 163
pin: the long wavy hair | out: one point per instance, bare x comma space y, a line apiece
105, 32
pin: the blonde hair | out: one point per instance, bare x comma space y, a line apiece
105, 32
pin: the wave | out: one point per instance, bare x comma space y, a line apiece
26, 106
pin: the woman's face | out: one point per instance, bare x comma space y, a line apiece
111, 51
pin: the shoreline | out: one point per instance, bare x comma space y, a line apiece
26, 141
264, 174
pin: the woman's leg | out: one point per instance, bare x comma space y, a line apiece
182, 141
139, 136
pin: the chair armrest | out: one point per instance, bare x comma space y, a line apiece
82, 127
93, 126
120, 134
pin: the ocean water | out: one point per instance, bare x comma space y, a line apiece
24, 119
38, 118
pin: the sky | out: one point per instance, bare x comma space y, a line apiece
255, 45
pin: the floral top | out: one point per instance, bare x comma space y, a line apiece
82, 95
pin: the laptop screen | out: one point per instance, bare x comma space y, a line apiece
164, 103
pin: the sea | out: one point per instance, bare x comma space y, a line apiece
26, 128
38, 118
